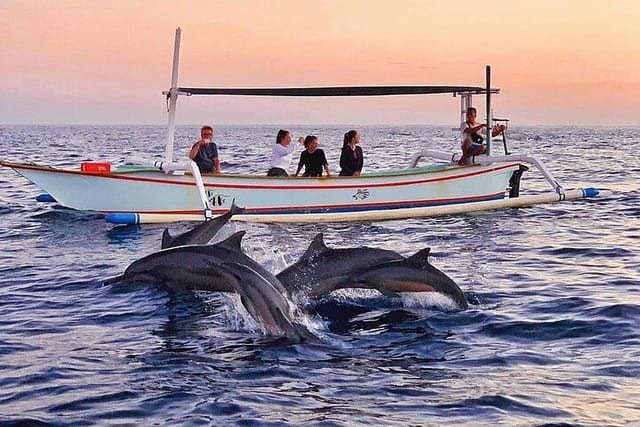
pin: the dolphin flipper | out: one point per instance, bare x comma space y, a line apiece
387, 293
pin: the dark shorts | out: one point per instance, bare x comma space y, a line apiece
277, 172
477, 148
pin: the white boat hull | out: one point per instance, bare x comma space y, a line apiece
158, 197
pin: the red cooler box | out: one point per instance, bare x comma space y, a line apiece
95, 167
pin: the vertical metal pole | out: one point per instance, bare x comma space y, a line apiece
488, 122
173, 98
465, 103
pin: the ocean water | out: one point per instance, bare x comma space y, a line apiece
552, 335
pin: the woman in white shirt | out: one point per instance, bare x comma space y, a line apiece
282, 153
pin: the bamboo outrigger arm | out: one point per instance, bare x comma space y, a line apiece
484, 160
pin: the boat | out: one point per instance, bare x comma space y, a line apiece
144, 191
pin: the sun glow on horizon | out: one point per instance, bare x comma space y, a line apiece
107, 62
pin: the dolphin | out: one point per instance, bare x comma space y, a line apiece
222, 267
414, 274
267, 305
320, 270
201, 234
195, 267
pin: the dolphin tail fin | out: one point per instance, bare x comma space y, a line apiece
166, 239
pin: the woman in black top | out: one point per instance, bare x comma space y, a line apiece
312, 158
351, 159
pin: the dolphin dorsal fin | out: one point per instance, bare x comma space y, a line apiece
235, 209
233, 242
420, 258
166, 239
316, 247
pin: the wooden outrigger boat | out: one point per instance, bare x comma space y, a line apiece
142, 191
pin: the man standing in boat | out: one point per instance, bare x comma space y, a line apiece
205, 152
472, 141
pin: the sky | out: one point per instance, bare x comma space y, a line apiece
556, 62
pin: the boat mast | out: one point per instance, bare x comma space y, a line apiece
172, 96
489, 118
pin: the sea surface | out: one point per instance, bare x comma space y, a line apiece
552, 335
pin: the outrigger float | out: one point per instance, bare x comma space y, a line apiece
142, 191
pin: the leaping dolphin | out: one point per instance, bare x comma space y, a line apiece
194, 267
268, 306
201, 234
414, 274
222, 267
321, 269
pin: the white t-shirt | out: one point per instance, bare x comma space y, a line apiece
463, 134
281, 155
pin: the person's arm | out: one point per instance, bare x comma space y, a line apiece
474, 129
300, 164
194, 150
497, 130
282, 151
359, 162
216, 166
343, 159
325, 164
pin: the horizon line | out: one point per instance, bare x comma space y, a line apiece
352, 124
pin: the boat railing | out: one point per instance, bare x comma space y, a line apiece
485, 160
170, 168
178, 169
195, 171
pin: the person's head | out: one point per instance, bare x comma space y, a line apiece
283, 137
472, 112
311, 143
351, 137
206, 132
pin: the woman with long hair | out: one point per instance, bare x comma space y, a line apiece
351, 158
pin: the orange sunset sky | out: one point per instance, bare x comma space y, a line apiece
106, 62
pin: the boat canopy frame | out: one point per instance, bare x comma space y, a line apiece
465, 92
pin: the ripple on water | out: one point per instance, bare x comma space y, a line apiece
550, 337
